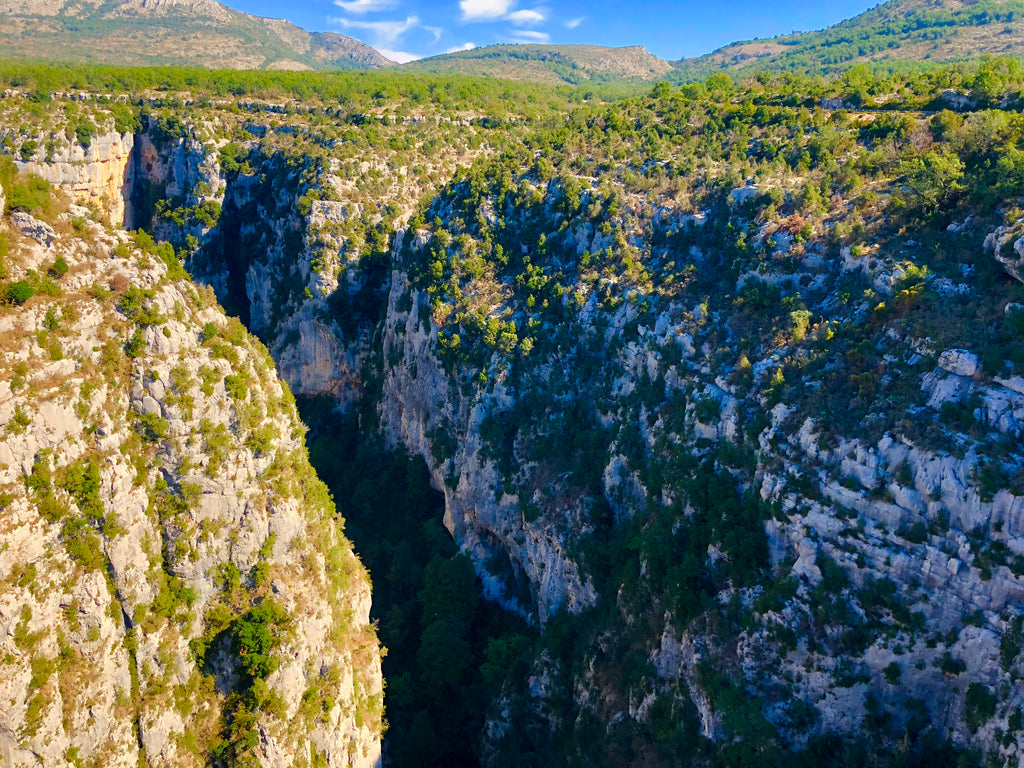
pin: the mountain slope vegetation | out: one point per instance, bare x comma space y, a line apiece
180, 32
573, 64
900, 33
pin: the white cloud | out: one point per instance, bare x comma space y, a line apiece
525, 17
530, 36
484, 10
435, 31
573, 23
383, 31
400, 56
365, 6
463, 47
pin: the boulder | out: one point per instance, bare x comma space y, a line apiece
742, 194
956, 100
32, 227
1007, 246
1013, 262
959, 362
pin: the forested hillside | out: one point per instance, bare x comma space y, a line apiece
557, 64
901, 34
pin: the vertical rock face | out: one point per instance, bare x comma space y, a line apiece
586, 426
165, 178
171, 166
271, 262
176, 587
423, 410
97, 176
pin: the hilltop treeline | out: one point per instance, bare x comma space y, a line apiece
358, 90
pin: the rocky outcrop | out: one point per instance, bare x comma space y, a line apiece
1007, 246
32, 227
420, 410
97, 176
899, 557
175, 582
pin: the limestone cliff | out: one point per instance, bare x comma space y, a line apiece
597, 437
421, 410
176, 588
98, 176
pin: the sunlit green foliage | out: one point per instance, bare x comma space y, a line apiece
255, 635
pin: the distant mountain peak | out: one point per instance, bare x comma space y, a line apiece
573, 64
183, 32
899, 30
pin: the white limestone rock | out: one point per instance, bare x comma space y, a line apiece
179, 497
32, 227
959, 362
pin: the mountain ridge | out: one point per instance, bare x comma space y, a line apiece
176, 32
558, 64
932, 31
205, 32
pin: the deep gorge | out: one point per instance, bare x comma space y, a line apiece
652, 461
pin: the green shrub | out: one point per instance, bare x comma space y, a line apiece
151, 427
255, 635
932, 179
951, 666
83, 544
18, 293
980, 706
82, 480
28, 149
132, 306
174, 595
262, 439
84, 132
237, 386
1011, 643
59, 269
136, 345
31, 194
708, 410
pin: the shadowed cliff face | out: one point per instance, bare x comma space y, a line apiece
227, 251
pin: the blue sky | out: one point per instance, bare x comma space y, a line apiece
404, 29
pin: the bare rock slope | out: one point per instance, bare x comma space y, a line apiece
175, 585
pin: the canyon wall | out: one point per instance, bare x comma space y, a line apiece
177, 588
702, 438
